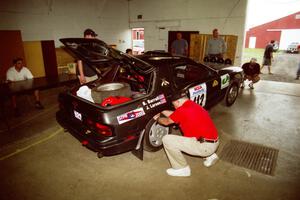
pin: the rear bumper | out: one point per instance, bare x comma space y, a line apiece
107, 146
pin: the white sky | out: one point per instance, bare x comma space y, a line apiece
263, 11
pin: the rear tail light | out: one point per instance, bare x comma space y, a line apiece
103, 130
98, 128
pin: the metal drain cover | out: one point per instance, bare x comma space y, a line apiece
252, 156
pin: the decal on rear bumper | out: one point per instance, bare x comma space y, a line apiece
131, 115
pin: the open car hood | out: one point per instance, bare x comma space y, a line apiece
95, 52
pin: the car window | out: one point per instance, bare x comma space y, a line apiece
139, 83
185, 74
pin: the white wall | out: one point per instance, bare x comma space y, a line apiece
54, 19
189, 15
111, 19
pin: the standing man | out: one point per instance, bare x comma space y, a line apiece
200, 137
251, 72
20, 73
268, 56
216, 46
86, 74
179, 46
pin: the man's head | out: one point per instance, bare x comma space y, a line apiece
215, 33
179, 36
18, 63
89, 33
129, 51
253, 60
178, 99
272, 41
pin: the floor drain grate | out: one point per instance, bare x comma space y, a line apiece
252, 156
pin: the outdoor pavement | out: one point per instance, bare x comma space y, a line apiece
38, 160
284, 67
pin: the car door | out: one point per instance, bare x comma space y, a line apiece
200, 82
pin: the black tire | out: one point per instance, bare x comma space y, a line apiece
231, 93
220, 60
102, 91
213, 59
228, 61
154, 133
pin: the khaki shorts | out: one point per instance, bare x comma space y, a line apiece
254, 79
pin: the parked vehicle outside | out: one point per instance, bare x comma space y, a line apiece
294, 47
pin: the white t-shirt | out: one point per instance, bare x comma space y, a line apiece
13, 75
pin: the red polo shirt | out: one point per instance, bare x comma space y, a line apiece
194, 121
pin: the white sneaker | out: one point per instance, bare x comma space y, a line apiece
251, 86
186, 171
210, 160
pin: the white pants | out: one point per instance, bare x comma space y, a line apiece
175, 144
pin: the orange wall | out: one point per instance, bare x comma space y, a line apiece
11, 47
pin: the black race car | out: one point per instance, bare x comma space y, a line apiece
114, 114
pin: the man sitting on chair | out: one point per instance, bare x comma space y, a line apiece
251, 72
20, 73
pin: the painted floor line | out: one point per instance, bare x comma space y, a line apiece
17, 151
30, 118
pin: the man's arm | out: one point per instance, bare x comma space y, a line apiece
186, 46
28, 73
9, 76
164, 120
81, 74
224, 47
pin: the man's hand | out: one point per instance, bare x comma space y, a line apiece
82, 80
155, 117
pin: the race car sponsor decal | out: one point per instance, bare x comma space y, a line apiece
131, 115
215, 83
198, 94
225, 79
156, 101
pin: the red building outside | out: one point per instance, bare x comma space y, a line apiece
284, 30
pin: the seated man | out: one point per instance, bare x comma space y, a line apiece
251, 72
20, 73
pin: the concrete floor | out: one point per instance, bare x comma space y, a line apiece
40, 161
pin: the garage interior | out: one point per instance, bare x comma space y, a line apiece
38, 160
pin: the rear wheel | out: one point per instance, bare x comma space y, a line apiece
154, 133
232, 93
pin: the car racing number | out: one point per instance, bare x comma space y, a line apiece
198, 94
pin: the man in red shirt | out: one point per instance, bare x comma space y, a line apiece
200, 137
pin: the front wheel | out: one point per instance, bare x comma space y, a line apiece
154, 133
232, 94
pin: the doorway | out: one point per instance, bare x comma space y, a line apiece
138, 45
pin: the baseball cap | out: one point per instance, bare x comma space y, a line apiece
90, 32
177, 96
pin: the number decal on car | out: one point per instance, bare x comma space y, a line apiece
225, 79
198, 94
